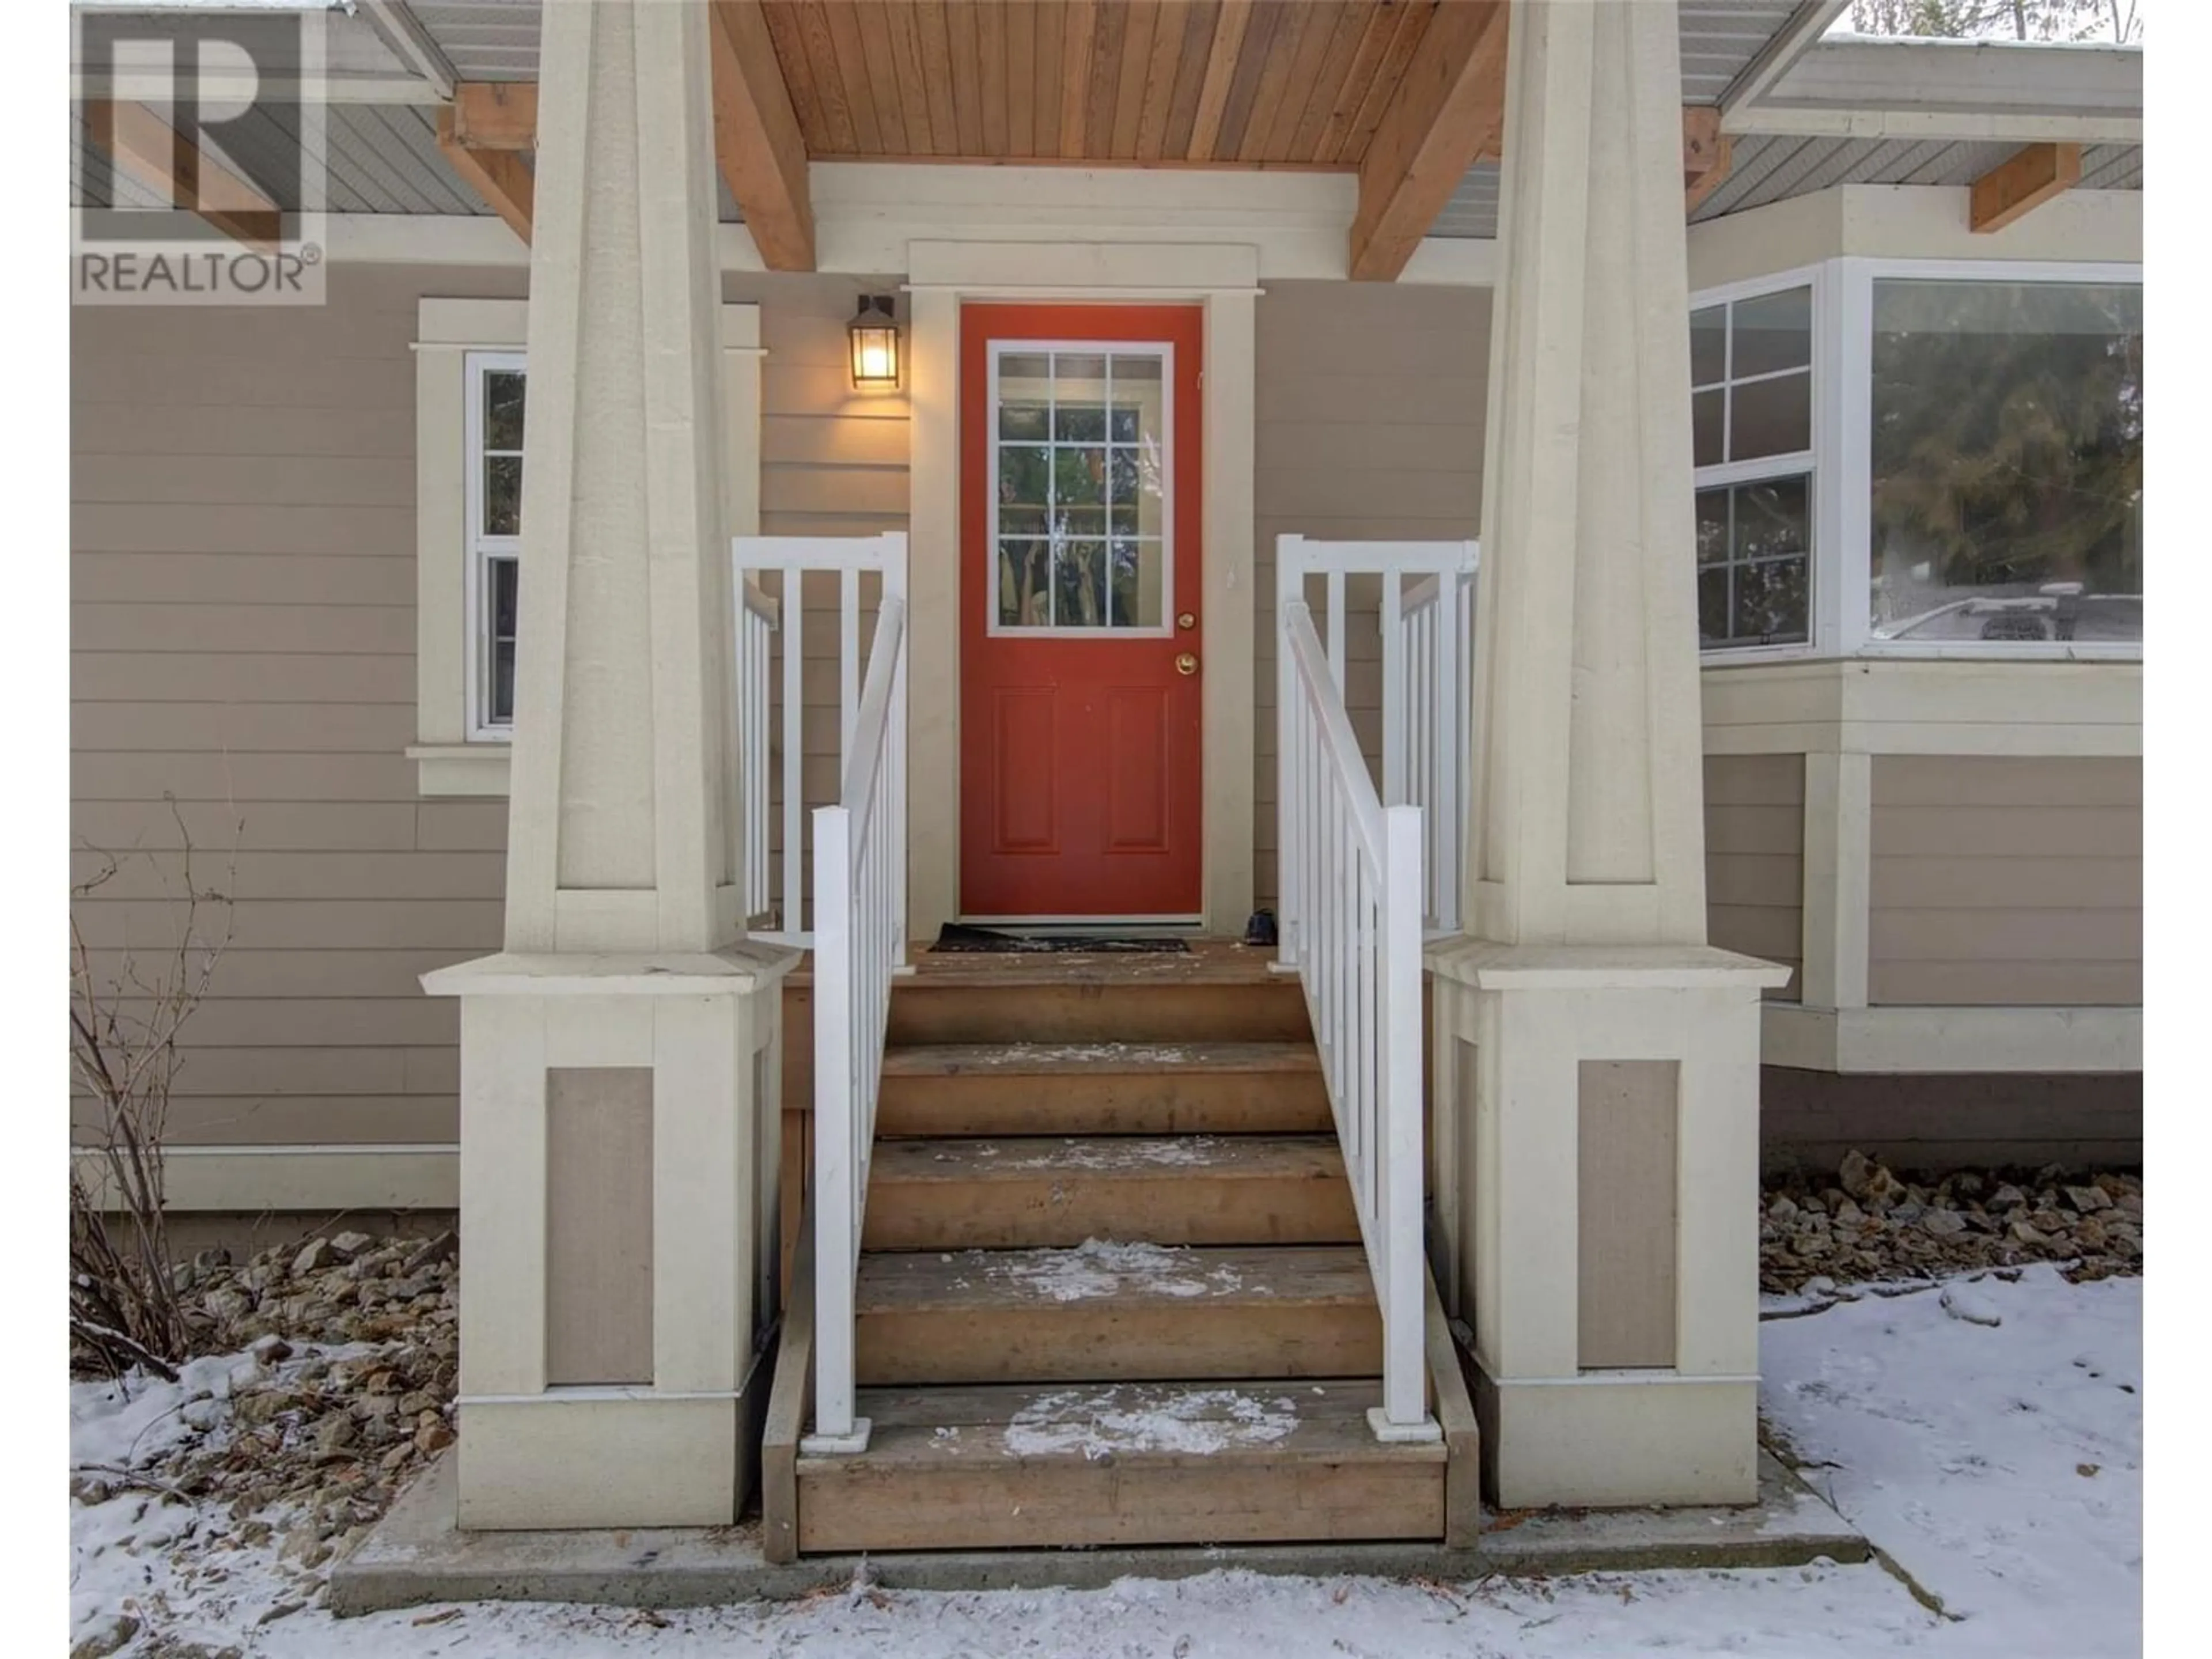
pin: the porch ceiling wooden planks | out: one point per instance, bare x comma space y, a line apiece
1707, 154
1229, 83
499, 176
1448, 112
758, 144
2021, 184
142, 145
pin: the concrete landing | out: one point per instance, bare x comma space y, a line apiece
418, 1555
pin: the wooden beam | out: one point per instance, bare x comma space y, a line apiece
496, 114
501, 177
159, 157
757, 142
2022, 184
1707, 155
1447, 113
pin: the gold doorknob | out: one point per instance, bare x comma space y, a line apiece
1186, 665
1187, 621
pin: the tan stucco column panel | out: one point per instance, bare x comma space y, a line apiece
1595, 1063
619, 1058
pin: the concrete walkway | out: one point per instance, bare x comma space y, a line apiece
418, 1555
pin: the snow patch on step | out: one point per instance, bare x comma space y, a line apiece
1088, 1054
1133, 1418
1182, 1151
1105, 1267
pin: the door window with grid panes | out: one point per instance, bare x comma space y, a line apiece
1081, 512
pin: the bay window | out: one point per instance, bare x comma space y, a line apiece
1920, 457
1751, 372
2005, 477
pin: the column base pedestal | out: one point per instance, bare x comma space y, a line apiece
1613, 1439
601, 1457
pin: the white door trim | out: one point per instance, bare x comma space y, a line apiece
1223, 279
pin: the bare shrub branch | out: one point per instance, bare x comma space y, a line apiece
124, 1023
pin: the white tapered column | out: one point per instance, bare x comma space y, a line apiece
618, 1058
1598, 1060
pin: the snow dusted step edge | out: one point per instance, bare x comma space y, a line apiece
1123, 1463
1104, 1311
1103, 1088
1030, 1191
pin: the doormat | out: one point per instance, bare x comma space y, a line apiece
958, 937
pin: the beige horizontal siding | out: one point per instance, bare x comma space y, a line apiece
243, 579
1369, 400
2006, 881
1755, 859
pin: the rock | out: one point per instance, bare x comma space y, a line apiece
432, 1251
1850, 1211
110, 1635
2022, 1232
281, 1610
333, 1435
421, 1400
228, 1305
1943, 1224
2087, 1200
347, 1246
406, 1289
432, 1437
1964, 1303
271, 1349
1819, 1285
2006, 1196
313, 1258
1855, 1172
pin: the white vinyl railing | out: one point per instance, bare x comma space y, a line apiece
860, 858
1352, 927
1365, 874
1425, 609
772, 670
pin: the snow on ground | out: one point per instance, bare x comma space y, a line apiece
1999, 1465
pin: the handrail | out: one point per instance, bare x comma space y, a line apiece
1351, 887
859, 848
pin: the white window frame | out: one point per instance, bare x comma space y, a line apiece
454, 754
1017, 347
481, 548
1816, 464
1854, 281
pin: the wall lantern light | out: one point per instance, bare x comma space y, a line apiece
875, 340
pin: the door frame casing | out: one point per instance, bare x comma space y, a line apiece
1223, 281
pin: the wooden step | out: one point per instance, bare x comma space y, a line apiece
1144, 999
1107, 1312
1103, 1088
1127, 1464
1021, 1193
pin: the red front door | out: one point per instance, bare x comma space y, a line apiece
1081, 643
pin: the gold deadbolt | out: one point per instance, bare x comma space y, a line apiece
1187, 664
1187, 621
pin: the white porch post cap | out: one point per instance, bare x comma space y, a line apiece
735, 971
1491, 967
